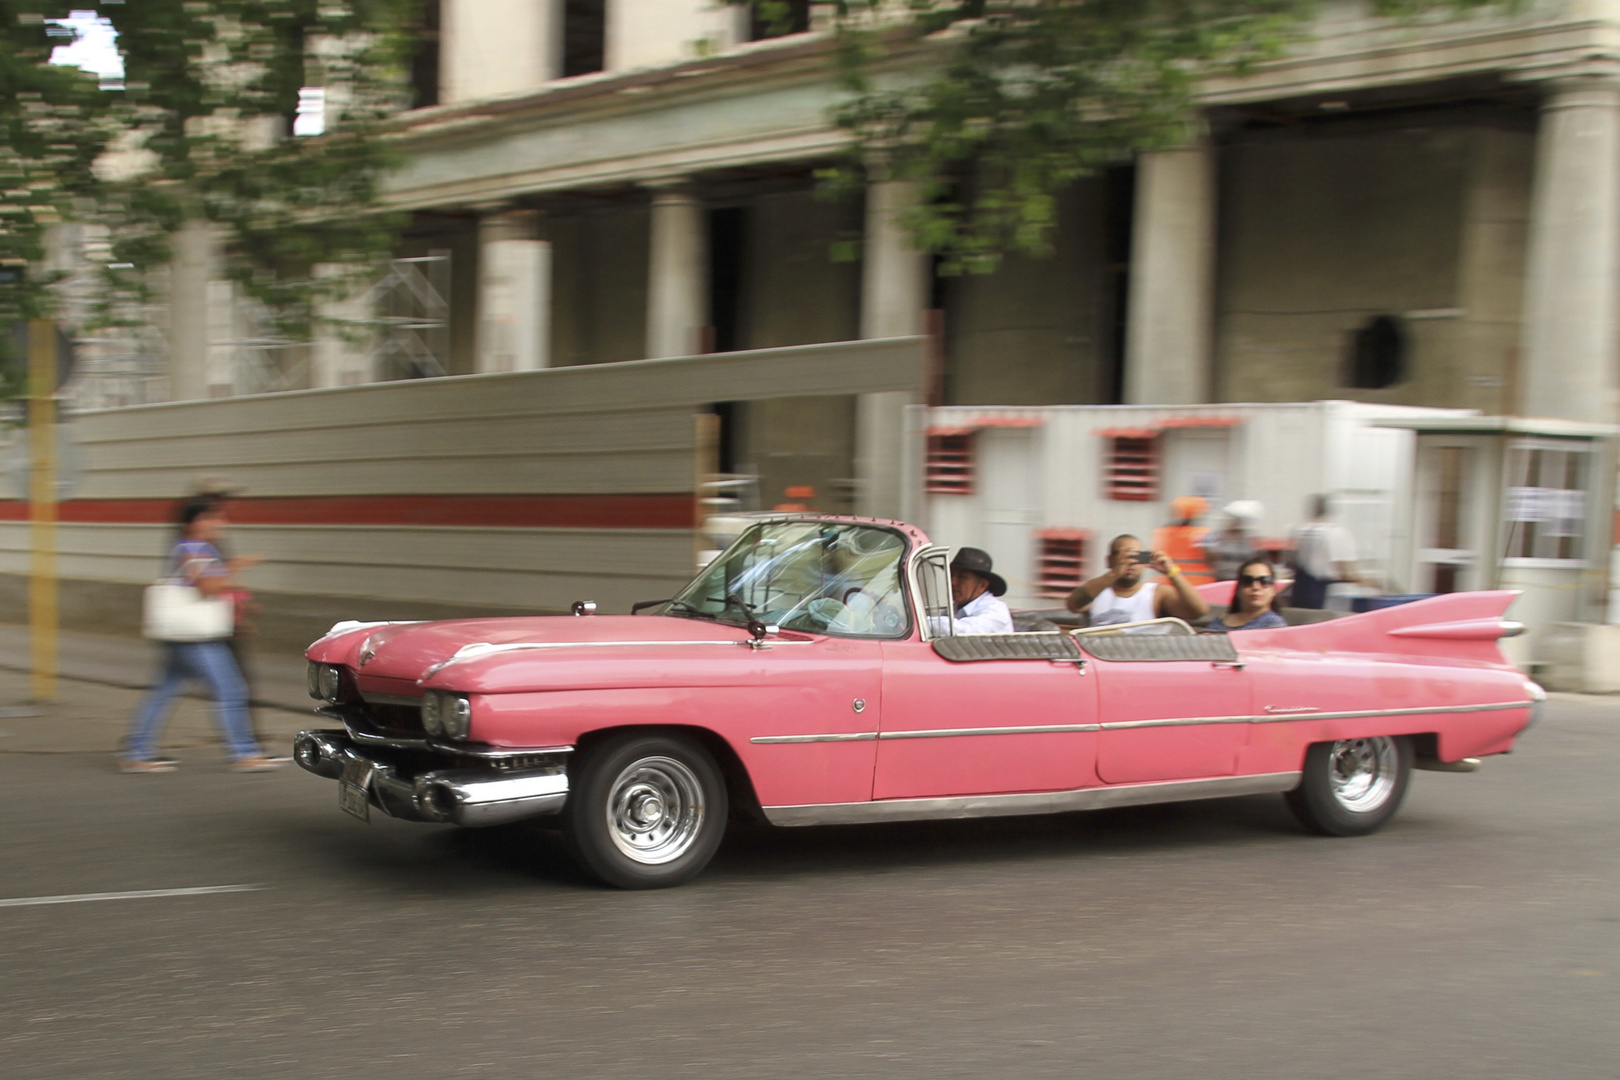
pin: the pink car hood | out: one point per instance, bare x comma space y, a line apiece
540, 653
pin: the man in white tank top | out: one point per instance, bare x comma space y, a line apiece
1122, 595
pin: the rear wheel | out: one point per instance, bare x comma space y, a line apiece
1354, 786
646, 811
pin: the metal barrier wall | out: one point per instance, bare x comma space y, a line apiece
515, 491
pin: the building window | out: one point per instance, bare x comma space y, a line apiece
1132, 469
1378, 354
950, 463
778, 18
1061, 562
1546, 501
584, 37
425, 60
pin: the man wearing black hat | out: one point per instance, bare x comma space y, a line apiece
975, 589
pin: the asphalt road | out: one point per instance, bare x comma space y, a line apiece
1477, 936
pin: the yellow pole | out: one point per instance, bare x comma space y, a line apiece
42, 612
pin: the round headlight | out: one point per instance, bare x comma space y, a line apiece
433, 712
312, 679
457, 716
330, 681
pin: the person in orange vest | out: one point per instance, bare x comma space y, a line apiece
1184, 541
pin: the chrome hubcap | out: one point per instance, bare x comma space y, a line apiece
1362, 772
655, 810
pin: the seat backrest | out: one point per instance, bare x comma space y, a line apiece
967, 648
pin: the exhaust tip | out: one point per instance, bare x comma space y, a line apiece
437, 801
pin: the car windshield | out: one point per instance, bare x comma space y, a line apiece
818, 576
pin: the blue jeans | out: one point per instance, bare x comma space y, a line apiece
210, 661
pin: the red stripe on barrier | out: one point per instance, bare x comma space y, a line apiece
468, 511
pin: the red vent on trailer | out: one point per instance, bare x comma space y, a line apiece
950, 462
1061, 565
1132, 470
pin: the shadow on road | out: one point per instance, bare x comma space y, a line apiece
438, 858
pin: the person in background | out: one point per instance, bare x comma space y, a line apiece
1324, 553
1183, 540
243, 606
1122, 595
1254, 601
976, 591
196, 560
1228, 549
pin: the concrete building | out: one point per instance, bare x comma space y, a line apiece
1401, 214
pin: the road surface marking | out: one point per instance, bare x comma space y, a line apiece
138, 894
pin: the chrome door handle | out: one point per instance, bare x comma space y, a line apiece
1235, 665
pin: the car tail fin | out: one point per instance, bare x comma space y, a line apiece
1457, 626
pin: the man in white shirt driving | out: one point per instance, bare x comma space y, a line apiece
975, 592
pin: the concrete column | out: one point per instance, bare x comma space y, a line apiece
678, 273
514, 292
895, 279
195, 255
492, 47
343, 354
1572, 269
1170, 323
895, 276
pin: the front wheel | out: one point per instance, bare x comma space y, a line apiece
646, 811
1354, 786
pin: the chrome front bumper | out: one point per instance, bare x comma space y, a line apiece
470, 797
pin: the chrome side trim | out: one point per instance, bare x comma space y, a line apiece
1287, 717
946, 733
1422, 710
853, 736
1280, 716
1044, 802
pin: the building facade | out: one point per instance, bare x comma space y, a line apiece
1398, 213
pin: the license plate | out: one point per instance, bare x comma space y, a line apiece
352, 789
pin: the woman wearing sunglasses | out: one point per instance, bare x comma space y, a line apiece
1254, 601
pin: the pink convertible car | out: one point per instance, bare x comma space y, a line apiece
810, 675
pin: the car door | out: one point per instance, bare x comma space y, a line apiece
1164, 715
983, 727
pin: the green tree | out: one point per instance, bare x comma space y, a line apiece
993, 107
200, 131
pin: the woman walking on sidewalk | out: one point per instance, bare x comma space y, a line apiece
195, 561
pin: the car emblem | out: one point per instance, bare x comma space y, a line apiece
859, 705
366, 652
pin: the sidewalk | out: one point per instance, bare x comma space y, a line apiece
103, 679
277, 678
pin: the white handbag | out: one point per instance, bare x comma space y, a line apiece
176, 612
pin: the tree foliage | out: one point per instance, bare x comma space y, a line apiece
993, 107
200, 131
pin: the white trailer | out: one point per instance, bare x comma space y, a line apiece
1043, 489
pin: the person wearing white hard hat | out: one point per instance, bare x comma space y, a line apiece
1229, 549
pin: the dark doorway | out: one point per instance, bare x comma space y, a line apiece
1119, 219
727, 237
